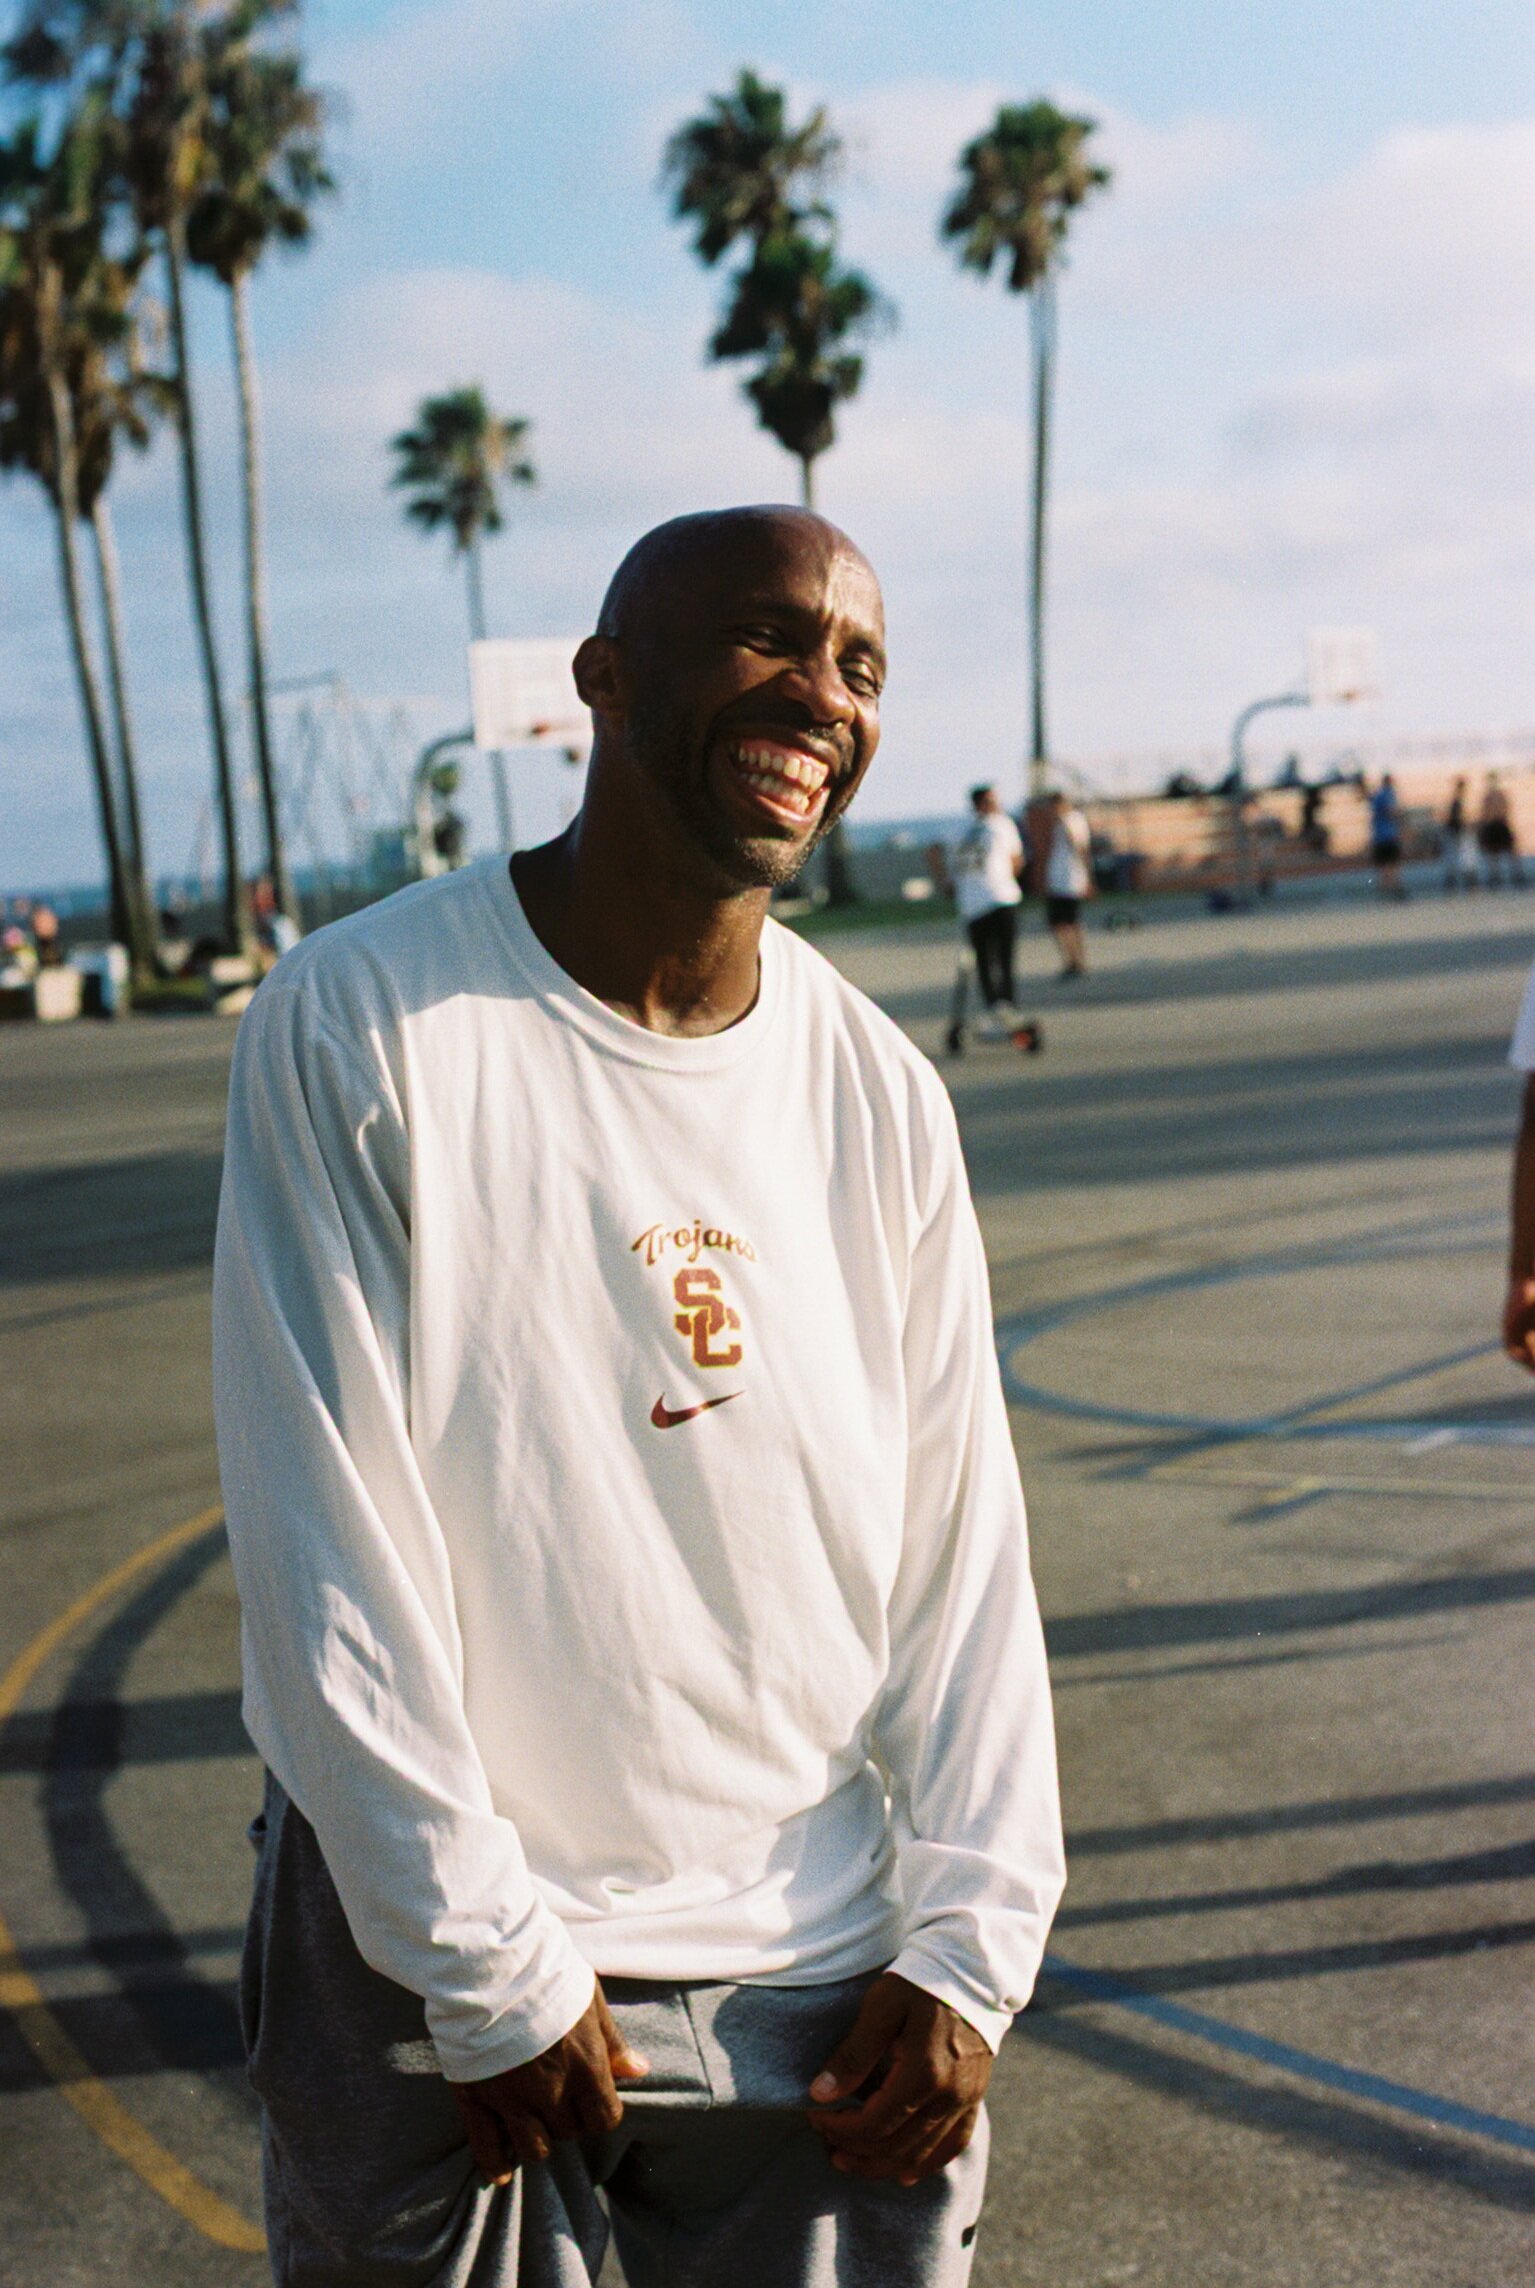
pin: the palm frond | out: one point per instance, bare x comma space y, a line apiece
454, 461
1020, 183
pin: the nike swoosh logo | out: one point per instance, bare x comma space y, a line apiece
665, 1419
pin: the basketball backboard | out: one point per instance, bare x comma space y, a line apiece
522, 693
1341, 666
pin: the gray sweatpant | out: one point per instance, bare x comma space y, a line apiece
713, 2180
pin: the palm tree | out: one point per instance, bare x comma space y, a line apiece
167, 161
114, 393
741, 173
151, 60
267, 172
59, 303
1020, 184
738, 170
110, 394
453, 465
795, 309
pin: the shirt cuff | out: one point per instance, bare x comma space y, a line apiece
940, 1979
523, 2032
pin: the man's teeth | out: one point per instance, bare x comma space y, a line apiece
788, 776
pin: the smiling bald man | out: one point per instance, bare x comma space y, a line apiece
661, 1826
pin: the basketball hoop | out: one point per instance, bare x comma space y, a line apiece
1341, 667
523, 693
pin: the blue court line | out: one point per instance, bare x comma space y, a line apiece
1444, 2112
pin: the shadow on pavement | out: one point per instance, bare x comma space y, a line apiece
1299, 1818
106, 1735
1318, 1961
162, 2013
1034, 1131
1287, 969
1510, 1863
1144, 1628
1324, 2124
109, 1218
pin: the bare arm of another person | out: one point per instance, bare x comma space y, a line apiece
1519, 1305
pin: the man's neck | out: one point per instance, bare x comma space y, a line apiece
669, 953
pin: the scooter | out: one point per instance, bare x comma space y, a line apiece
1028, 1036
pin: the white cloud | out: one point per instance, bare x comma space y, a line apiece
1429, 239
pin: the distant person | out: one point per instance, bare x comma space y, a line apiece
1312, 832
1068, 881
1460, 848
276, 932
1386, 838
1495, 834
1027, 1033
986, 865
45, 936
1519, 1303
18, 956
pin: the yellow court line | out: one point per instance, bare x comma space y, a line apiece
54, 2049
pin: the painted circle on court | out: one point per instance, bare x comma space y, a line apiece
1308, 1417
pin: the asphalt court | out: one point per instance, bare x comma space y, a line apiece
1245, 1224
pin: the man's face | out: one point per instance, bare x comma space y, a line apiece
753, 697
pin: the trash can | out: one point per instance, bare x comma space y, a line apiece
56, 995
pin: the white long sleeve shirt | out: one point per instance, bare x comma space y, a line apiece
631, 1553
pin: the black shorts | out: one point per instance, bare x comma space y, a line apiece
1497, 839
1386, 853
1061, 912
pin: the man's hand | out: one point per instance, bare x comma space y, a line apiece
926, 2072
567, 2091
1519, 1323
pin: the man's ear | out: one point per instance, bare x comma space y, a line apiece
598, 667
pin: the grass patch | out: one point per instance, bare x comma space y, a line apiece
172, 997
870, 914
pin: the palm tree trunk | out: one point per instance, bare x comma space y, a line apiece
134, 851
237, 911
475, 576
65, 506
807, 480
255, 595
1042, 343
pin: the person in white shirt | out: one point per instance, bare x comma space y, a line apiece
1519, 1301
661, 1825
986, 864
1068, 880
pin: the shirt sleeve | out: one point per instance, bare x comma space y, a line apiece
1521, 1054
965, 1728
352, 1655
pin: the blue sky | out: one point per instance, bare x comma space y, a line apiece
1297, 386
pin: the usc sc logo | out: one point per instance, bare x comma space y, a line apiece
703, 1317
